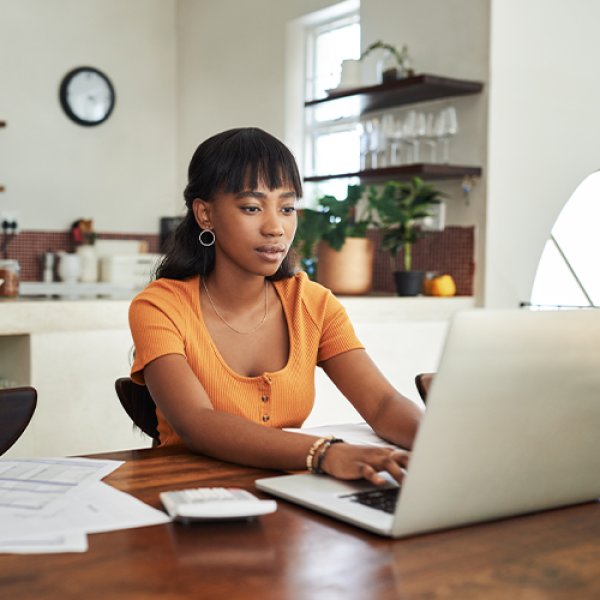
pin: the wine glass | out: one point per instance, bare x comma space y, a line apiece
430, 136
387, 133
409, 133
374, 141
364, 145
396, 143
449, 129
420, 130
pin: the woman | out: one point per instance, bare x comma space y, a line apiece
227, 338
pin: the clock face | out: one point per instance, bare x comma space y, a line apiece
87, 96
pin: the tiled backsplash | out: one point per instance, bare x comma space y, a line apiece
450, 251
29, 246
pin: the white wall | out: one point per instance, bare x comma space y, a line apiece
544, 127
120, 173
231, 67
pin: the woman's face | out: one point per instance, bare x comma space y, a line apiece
253, 228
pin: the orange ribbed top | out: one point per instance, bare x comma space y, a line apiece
166, 318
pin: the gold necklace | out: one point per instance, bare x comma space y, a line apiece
231, 326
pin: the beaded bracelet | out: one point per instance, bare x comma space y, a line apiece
324, 449
313, 449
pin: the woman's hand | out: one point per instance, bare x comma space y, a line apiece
347, 461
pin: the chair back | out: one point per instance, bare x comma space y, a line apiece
138, 404
423, 382
17, 406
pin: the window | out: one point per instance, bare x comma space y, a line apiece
329, 45
568, 274
331, 140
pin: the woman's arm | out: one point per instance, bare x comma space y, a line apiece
390, 414
184, 403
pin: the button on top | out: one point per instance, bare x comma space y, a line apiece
265, 398
265, 418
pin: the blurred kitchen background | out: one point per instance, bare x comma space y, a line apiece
183, 70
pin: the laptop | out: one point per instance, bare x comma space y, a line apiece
512, 427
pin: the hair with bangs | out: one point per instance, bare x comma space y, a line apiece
229, 162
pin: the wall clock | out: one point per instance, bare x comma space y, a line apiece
87, 96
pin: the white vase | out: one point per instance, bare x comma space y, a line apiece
351, 74
69, 267
89, 263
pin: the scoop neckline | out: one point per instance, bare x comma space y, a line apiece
216, 350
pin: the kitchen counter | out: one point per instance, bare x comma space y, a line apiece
72, 351
24, 315
393, 308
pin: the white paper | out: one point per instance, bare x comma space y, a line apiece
51, 504
98, 507
36, 484
353, 433
68, 542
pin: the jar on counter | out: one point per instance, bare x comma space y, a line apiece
9, 277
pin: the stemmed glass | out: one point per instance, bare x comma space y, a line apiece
374, 131
430, 136
387, 133
409, 133
396, 143
420, 131
364, 145
448, 128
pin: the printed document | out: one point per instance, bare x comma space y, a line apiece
47, 505
37, 483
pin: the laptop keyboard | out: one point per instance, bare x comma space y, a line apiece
384, 500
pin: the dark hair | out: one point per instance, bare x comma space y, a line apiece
228, 162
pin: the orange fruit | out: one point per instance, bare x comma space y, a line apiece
443, 286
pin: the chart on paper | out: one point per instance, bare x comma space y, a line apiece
34, 484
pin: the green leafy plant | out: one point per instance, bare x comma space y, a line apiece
401, 56
400, 206
334, 221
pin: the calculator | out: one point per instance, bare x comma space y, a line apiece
210, 504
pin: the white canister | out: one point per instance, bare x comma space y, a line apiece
89, 263
351, 74
69, 267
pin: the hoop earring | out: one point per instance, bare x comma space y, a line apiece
212, 241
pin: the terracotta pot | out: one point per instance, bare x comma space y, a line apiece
349, 271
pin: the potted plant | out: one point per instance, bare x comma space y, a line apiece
334, 239
393, 65
400, 206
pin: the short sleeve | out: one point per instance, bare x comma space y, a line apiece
338, 334
157, 327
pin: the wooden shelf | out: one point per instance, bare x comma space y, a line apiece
2, 124
409, 90
424, 170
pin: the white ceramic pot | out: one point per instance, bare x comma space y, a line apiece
89, 263
351, 74
69, 267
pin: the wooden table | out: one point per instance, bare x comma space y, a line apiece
296, 554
